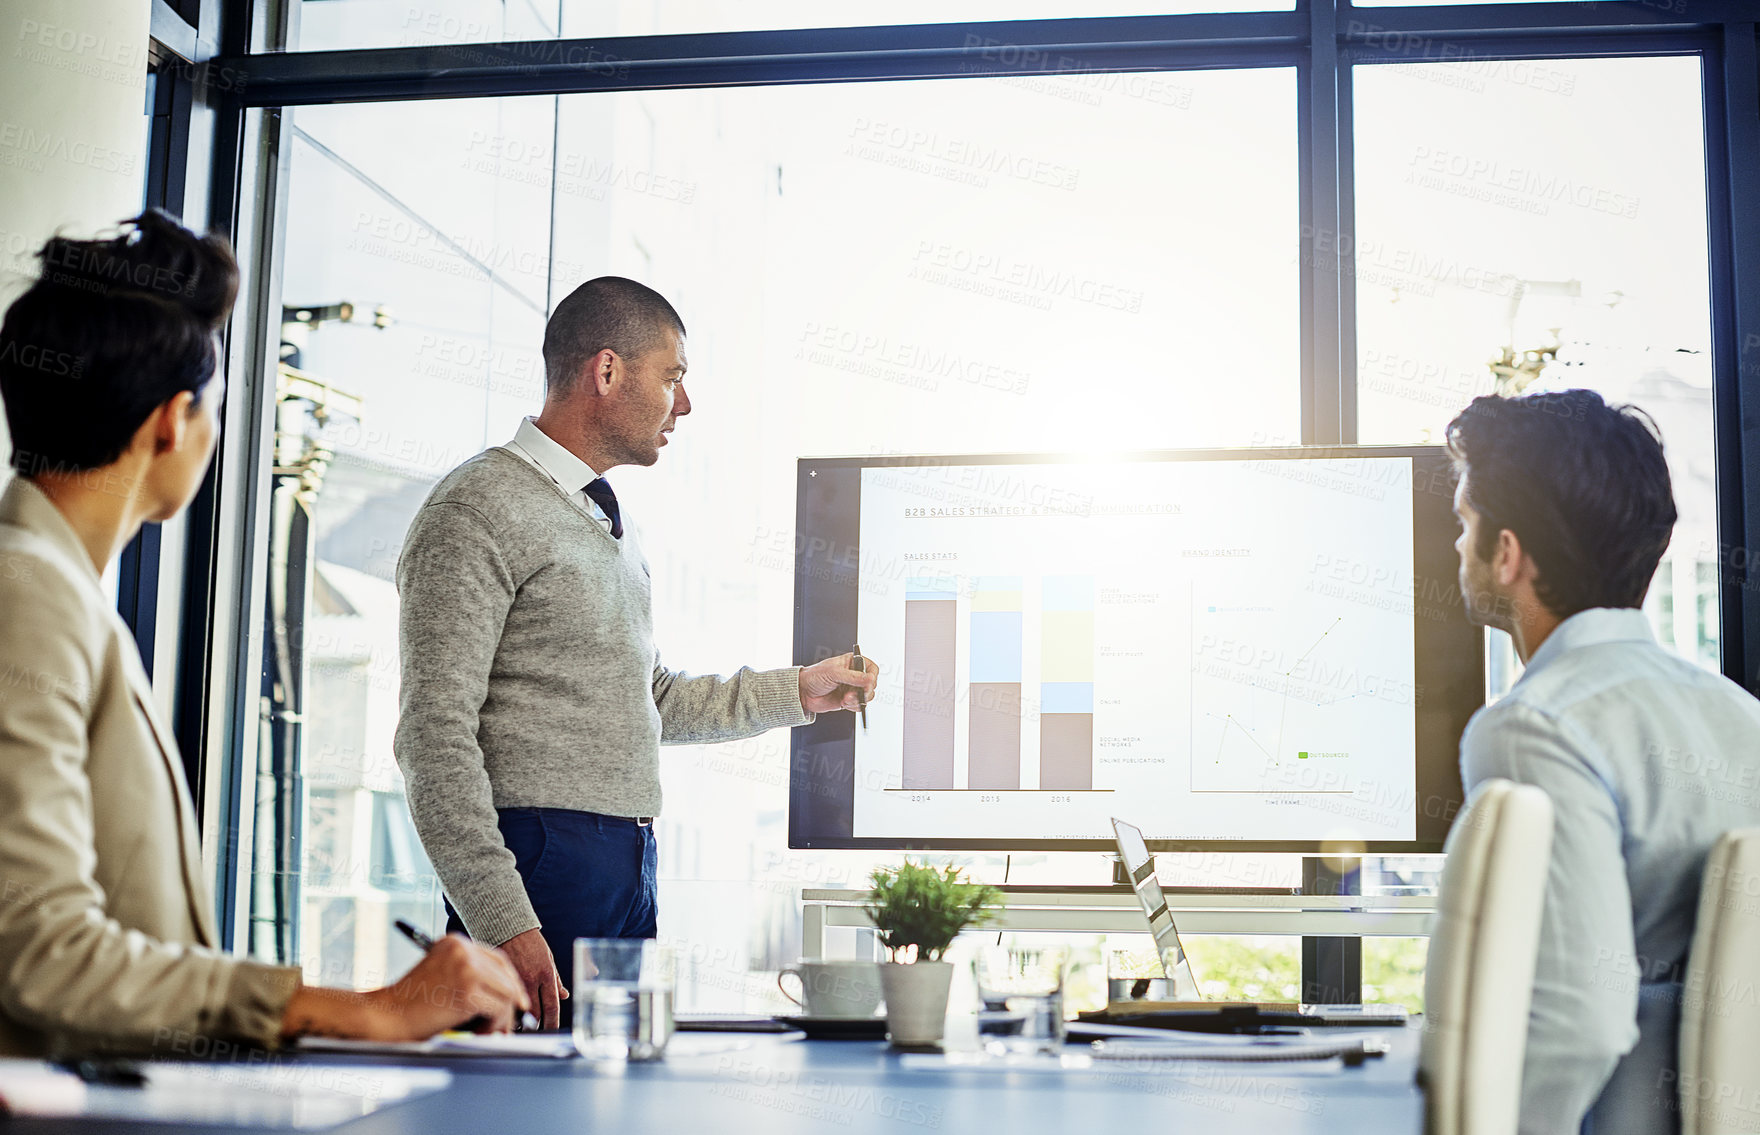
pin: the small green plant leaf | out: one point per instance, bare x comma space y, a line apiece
918, 910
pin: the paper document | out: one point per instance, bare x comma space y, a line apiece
537, 1046
962, 1061
545, 1046
35, 1087
1199, 1046
1092, 1030
283, 1094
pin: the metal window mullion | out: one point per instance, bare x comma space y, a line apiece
1732, 163
1307, 250
141, 588
694, 74
184, 544
1584, 44
223, 700
1332, 967
1083, 46
1323, 248
1464, 22
1347, 258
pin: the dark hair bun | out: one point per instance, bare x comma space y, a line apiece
110, 331
158, 261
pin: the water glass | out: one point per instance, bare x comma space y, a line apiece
1020, 991
623, 991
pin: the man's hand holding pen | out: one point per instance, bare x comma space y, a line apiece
836, 683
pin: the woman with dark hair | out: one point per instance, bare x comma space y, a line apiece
107, 941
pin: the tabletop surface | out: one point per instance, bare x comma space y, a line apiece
773, 1085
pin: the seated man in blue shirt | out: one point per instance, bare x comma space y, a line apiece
1566, 509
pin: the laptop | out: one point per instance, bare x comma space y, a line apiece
1186, 1006
1133, 851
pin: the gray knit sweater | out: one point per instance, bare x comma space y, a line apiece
530, 678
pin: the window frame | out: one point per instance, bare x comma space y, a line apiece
250, 80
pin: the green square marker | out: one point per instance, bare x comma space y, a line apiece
1301, 756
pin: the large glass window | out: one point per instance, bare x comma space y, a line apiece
1077, 262
953, 266
1541, 226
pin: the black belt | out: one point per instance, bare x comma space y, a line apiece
638, 821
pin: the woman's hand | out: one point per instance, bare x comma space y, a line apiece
457, 981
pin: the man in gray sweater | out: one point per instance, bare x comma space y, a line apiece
533, 702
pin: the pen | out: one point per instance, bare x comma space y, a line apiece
527, 1022
408, 930
861, 694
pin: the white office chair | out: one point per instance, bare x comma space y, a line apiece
1480, 976
1720, 1020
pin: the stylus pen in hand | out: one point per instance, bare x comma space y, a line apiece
527, 1022
861, 694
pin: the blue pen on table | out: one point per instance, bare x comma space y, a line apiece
527, 1022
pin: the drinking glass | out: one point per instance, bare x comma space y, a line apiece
1020, 990
623, 991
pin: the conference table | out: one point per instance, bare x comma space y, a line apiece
777, 1085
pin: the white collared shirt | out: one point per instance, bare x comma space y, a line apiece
1647, 759
550, 457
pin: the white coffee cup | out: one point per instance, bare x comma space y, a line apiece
845, 990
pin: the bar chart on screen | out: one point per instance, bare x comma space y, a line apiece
1000, 755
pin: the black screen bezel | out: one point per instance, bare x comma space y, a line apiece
1450, 656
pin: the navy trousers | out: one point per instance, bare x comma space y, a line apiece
588, 876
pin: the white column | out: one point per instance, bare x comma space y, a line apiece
73, 127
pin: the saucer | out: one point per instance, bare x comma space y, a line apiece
839, 1028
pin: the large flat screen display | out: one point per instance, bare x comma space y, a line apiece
1234, 649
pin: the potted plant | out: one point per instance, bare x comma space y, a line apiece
918, 910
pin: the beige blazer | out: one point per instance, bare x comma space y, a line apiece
107, 936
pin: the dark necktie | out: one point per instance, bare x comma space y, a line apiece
602, 495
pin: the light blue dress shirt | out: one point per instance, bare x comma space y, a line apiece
1648, 759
